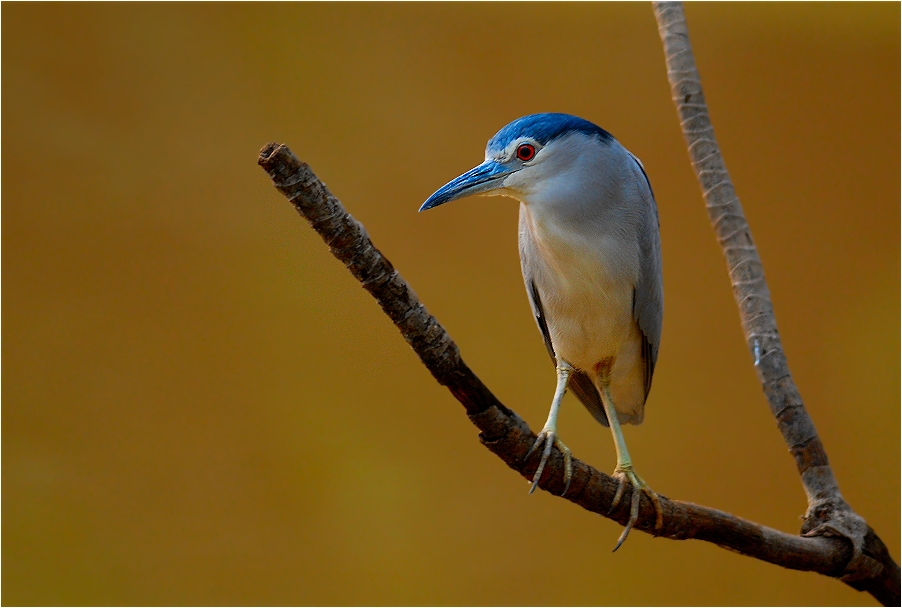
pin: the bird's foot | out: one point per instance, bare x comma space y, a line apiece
549, 438
627, 475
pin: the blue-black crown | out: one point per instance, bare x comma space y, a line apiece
544, 128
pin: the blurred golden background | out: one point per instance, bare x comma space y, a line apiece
201, 406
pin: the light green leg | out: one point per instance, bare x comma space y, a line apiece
624, 464
548, 435
624, 471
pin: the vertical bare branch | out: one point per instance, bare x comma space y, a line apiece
828, 513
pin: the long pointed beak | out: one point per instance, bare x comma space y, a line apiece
482, 178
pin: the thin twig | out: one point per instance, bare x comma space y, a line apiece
502, 431
828, 513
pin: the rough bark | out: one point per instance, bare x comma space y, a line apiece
502, 430
828, 513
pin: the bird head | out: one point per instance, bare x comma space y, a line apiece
526, 156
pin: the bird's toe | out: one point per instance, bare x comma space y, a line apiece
627, 475
549, 439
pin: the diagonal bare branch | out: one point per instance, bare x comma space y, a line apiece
502, 431
828, 513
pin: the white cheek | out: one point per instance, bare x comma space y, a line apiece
515, 183
532, 177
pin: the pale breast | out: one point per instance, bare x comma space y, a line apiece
585, 287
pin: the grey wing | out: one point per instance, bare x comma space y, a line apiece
581, 385
648, 293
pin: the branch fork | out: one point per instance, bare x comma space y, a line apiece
828, 513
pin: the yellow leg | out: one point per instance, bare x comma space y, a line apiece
625, 473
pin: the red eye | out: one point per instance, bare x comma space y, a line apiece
526, 152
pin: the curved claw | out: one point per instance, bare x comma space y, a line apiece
638, 486
549, 441
618, 495
568, 466
634, 515
549, 438
539, 441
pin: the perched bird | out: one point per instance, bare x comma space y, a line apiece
590, 252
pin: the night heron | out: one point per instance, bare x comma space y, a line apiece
590, 251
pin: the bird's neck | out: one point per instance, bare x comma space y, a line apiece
556, 234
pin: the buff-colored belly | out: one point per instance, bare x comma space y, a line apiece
588, 300
589, 320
